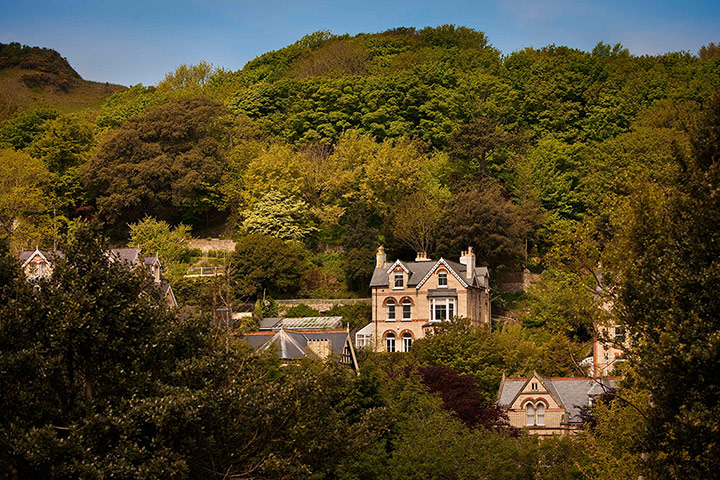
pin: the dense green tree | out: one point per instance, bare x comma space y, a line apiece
21, 195
267, 264
483, 218
301, 310
165, 164
489, 354
188, 77
65, 143
673, 231
155, 237
279, 216
22, 130
112, 384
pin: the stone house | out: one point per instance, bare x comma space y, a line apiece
610, 340
547, 406
38, 264
608, 349
409, 298
296, 344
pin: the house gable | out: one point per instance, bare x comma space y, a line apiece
400, 264
447, 266
535, 389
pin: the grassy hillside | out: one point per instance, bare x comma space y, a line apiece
32, 77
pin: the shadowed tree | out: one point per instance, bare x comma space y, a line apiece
164, 164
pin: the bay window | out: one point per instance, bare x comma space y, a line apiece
442, 309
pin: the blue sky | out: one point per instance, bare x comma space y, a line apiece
132, 41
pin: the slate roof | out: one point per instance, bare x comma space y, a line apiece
418, 271
442, 292
292, 345
296, 323
49, 254
126, 254
572, 392
149, 261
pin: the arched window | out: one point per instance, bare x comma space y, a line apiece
530, 415
390, 304
390, 342
407, 340
442, 279
407, 309
540, 414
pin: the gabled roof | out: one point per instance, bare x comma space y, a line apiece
49, 256
130, 255
150, 261
448, 265
400, 264
571, 393
292, 345
419, 272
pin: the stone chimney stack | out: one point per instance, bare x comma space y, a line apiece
422, 257
156, 269
467, 258
380, 257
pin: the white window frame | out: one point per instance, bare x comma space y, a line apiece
398, 276
535, 414
449, 304
391, 310
406, 310
540, 414
407, 340
529, 414
442, 274
390, 347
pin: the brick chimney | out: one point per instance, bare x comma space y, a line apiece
467, 258
380, 257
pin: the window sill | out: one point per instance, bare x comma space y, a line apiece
407, 319
398, 288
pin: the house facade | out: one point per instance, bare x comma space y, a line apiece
38, 264
608, 349
548, 406
410, 297
610, 340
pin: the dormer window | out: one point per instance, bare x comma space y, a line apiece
442, 279
399, 280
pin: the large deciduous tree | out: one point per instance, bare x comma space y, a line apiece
165, 164
100, 380
262, 263
482, 217
670, 298
21, 195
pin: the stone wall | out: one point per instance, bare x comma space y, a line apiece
513, 282
321, 304
207, 244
